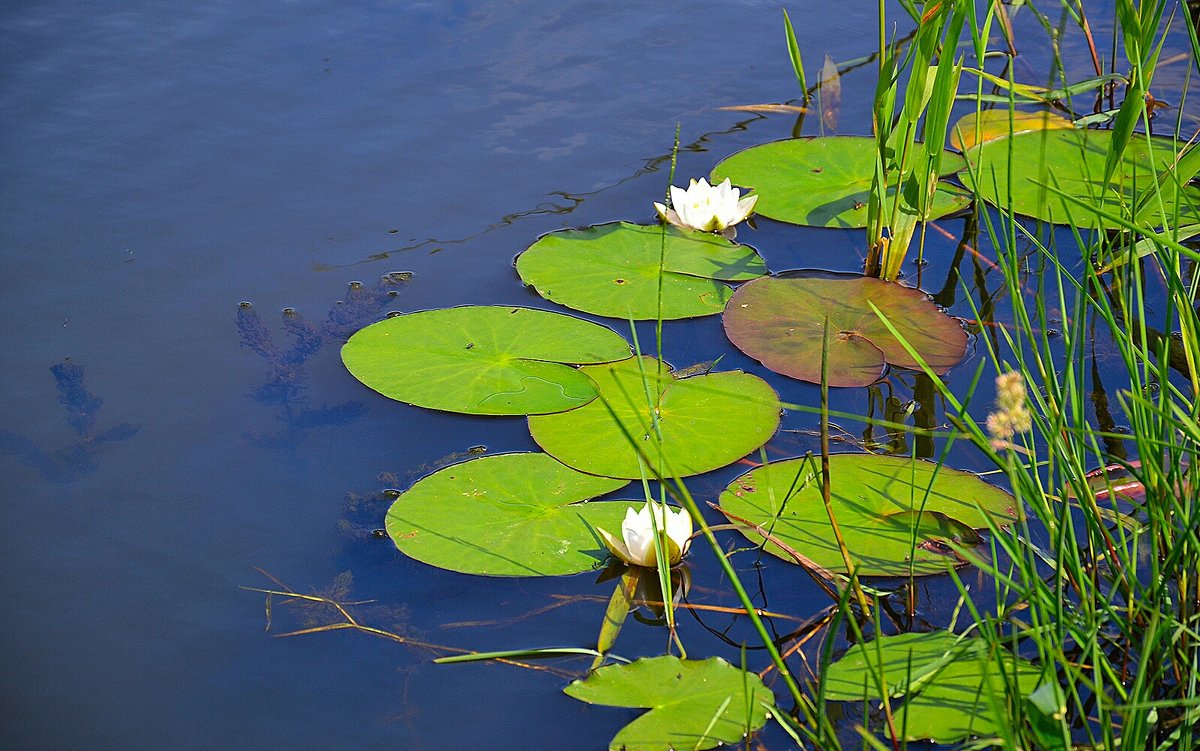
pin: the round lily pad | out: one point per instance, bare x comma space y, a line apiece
613, 270
1072, 161
780, 322
506, 515
875, 500
706, 421
952, 687
482, 360
822, 182
694, 704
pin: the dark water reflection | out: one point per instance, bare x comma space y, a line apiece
163, 162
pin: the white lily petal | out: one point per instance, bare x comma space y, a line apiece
641, 547
679, 529
615, 546
746, 206
710, 208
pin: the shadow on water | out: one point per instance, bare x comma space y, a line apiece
74, 460
285, 389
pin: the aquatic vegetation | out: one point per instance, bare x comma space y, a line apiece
1038, 174
708, 208
1081, 629
897, 516
639, 530
825, 181
482, 360
82, 406
779, 321
942, 686
648, 423
631, 271
506, 515
695, 704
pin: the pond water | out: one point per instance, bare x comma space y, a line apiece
162, 164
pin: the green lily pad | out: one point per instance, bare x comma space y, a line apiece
1073, 162
976, 128
822, 182
874, 500
506, 515
780, 322
953, 687
706, 421
482, 360
694, 704
613, 270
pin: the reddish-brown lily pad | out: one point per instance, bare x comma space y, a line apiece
780, 322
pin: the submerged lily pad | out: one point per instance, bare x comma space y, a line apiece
780, 322
694, 704
613, 270
482, 360
706, 421
822, 182
1072, 161
506, 515
952, 687
875, 500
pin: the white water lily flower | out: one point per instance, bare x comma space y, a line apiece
636, 545
711, 208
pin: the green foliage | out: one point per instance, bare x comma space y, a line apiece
779, 321
822, 182
794, 54
482, 360
1108, 610
506, 515
1045, 164
614, 270
905, 180
647, 422
694, 704
952, 686
898, 516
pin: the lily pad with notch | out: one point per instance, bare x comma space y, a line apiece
953, 686
1073, 162
694, 704
897, 515
483, 360
706, 421
507, 515
613, 270
780, 322
823, 181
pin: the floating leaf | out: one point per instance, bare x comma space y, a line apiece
1073, 161
953, 687
822, 182
1150, 245
613, 270
482, 360
875, 500
706, 421
780, 322
694, 704
506, 515
972, 129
